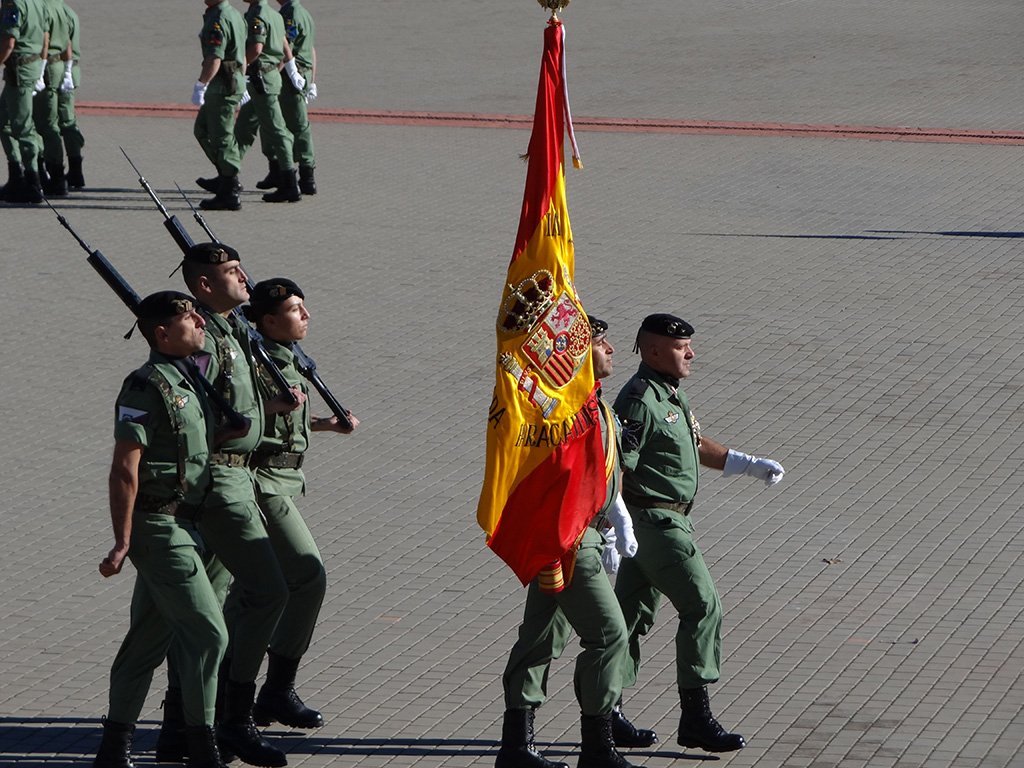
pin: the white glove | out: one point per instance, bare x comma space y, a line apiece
618, 516
68, 83
246, 98
312, 93
610, 558
737, 463
293, 74
199, 93
40, 85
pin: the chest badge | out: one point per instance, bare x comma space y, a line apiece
180, 401
672, 417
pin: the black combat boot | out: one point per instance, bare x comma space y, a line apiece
597, 747
171, 744
44, 177
272, 179
75, 178
227, 198
116, 746
698, 728
287, 191
55, 184
307, 181
517, 747
278, 699
237, 732
32, 190
628, 735
202, 748
12, 191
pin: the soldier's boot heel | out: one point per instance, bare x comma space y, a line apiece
307, 180
202, 748
278, 701
237, 732
227, 198
12, 191
287, 191
597, 745
75, 178
273, 178
55, 183
628, 735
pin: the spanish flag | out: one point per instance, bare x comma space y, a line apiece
545, 474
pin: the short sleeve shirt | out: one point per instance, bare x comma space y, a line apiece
143, 415
659, 441
300, 31
60, 32
27, 21
266, 26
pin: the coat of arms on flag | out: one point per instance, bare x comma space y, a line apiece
545, 476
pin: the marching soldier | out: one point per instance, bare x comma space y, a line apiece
300, 31
588, 605
24, 40
74, 141
662, 450
45, 104
267, 53
278, 310
159, 476
217, 93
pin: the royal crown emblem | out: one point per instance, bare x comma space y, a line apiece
527, 302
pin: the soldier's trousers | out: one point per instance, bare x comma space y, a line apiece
259, 591
263, 112
296, 120
17, 132
68, 124
214, 129
173, 600
304, 572
587, 605
668, 563
44, 114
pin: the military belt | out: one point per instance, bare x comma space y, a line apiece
173, 507
267, 66
53, 58
283, 460
600, 522
28, 58
223, 459
649, 502
230, 67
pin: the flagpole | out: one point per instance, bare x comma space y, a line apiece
554, 6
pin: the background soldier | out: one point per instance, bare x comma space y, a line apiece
44, 104
266, 52
24, 38
300, 32
278, 310
158, 478
588, 605
74, 141
662, 446
217, 93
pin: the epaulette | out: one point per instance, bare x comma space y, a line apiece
637, 387
138, 379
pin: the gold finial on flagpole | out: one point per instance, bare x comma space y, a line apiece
554, 6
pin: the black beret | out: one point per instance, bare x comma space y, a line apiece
266, 295
597, 327
663, 324
211, 253
164, 305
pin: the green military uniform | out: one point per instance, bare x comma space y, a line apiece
173, 597
659, 453
586, 604
279, 478
300, 31
223, 37
27, 21
231, 523
45, 102
74, 141
263, 112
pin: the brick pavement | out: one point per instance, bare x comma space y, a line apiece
858, 315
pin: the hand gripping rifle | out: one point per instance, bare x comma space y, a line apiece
131, 300
305, 364
184, 242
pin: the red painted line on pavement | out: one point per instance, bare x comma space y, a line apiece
622, 125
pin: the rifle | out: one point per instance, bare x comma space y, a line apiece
305, 364
131, 300
184, 242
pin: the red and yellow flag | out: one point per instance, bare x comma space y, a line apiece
545, 476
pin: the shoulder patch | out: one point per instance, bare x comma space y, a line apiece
10, 15
290, 30
134, 415
258, 27
632, 434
